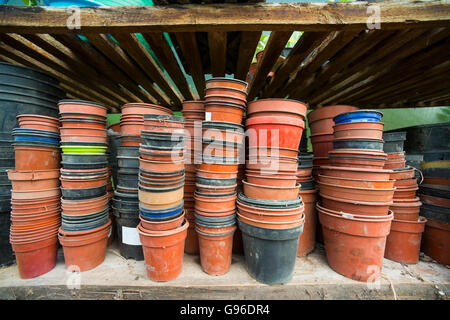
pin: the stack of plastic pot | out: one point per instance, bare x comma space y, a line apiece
35, 196
126, 200
356, 195
320, 122
163, 227
194, 114
6, 162
270, 210
308, 193
403, 242
222, 151
435, 195
86, 226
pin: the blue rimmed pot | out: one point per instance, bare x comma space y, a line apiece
358, 116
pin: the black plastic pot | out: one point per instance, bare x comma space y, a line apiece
393, 141
269, 204
7, 162
82, 194
124, 196
128, 162
127, 180
307, 185
305, 160
6, 253
436, 172
358, 144
439, 213
84, 174
215, 182
28, 73
270, 254
83, 161
84, 143
88, 223
128, 151
213, 195
222, 125
125, 204
435, 190
430, 137
303, 147
164, 117
215, 221
220, 160
5, 203
436, 155
163, 173
130, 245
151, 140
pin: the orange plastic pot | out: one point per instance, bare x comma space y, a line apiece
272, 154
270, 215
403, 242
274, 131
193, 106
215, 250
406, 209
226, 82
79, 106
405, 193
215, 204
88, 124
36, 158
321, 120
357, 183
34, 180
157, 155
304, 173
131, 128
357, 158
223, 98
274, 180
224, 112
36, 210
277, 107
84, 138
218, 167
269, 192
215, 214
191, 244
410, 183
132, 140
217, 150
394, 164
35, 258
322, 144
356, 207
271, 224
226, 92
34, 204
356, 193
35, 194
356, 173
408, 173
216, 175
223, 135
84, 182
358, 130
141, 108
354, 246
436, 241
115, 127
318, 162
218, 190
161, 200
435, 200
163, 251
439, 181
162, 225
35, 121
160, 166
267, 165
87, 249
307, 240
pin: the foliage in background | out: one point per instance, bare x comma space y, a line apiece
32, 2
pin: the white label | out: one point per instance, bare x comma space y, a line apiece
131, 236
208, 116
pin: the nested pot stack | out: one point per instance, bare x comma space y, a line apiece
270, 211
222, 151
356, 195
163, 227
194, 114
86, 224
35, 197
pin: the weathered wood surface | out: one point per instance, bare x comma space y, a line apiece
321, 16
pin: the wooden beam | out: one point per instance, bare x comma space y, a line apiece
191, 54
321, 16
275, 45
247, 47
217, 42
158, 43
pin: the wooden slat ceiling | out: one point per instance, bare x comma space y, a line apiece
406, 64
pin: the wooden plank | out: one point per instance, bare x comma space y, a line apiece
304, 46
138, 52
166, 57
247, 47
275, 45
189, 48
217, 42
116, 54
321, 16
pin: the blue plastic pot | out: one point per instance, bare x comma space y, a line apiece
158, 214
358, 116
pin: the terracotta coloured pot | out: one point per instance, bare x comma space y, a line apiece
213, 204
218, 190
410, 183
36, 158
356, 173
34, 180
35, 194
216, 175
438, 181
192, 105
158, 155
322, 144
115, 127
277, 107
144, 108
215, 214
161, 200
405, 193
406, 209
267, 165
224, 112
24, 204
354, 247
191, 245
270, 215
86, 250
307, 239
359, 130
35, 121
215, 250
271, 154
226, 82
162, 225
321, 119
406, 173
134, 141
84, 138
274, 131
271, 224
218, 167
80, 106
226, 92
162, 166
221, 150
163, 252
35, 258
356, 207
436, 241
84, 182
435, 200
357, 193
403, 242
357, 183
357, 158
80, 124
304, 173
275, 180
394, 164
270, 193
